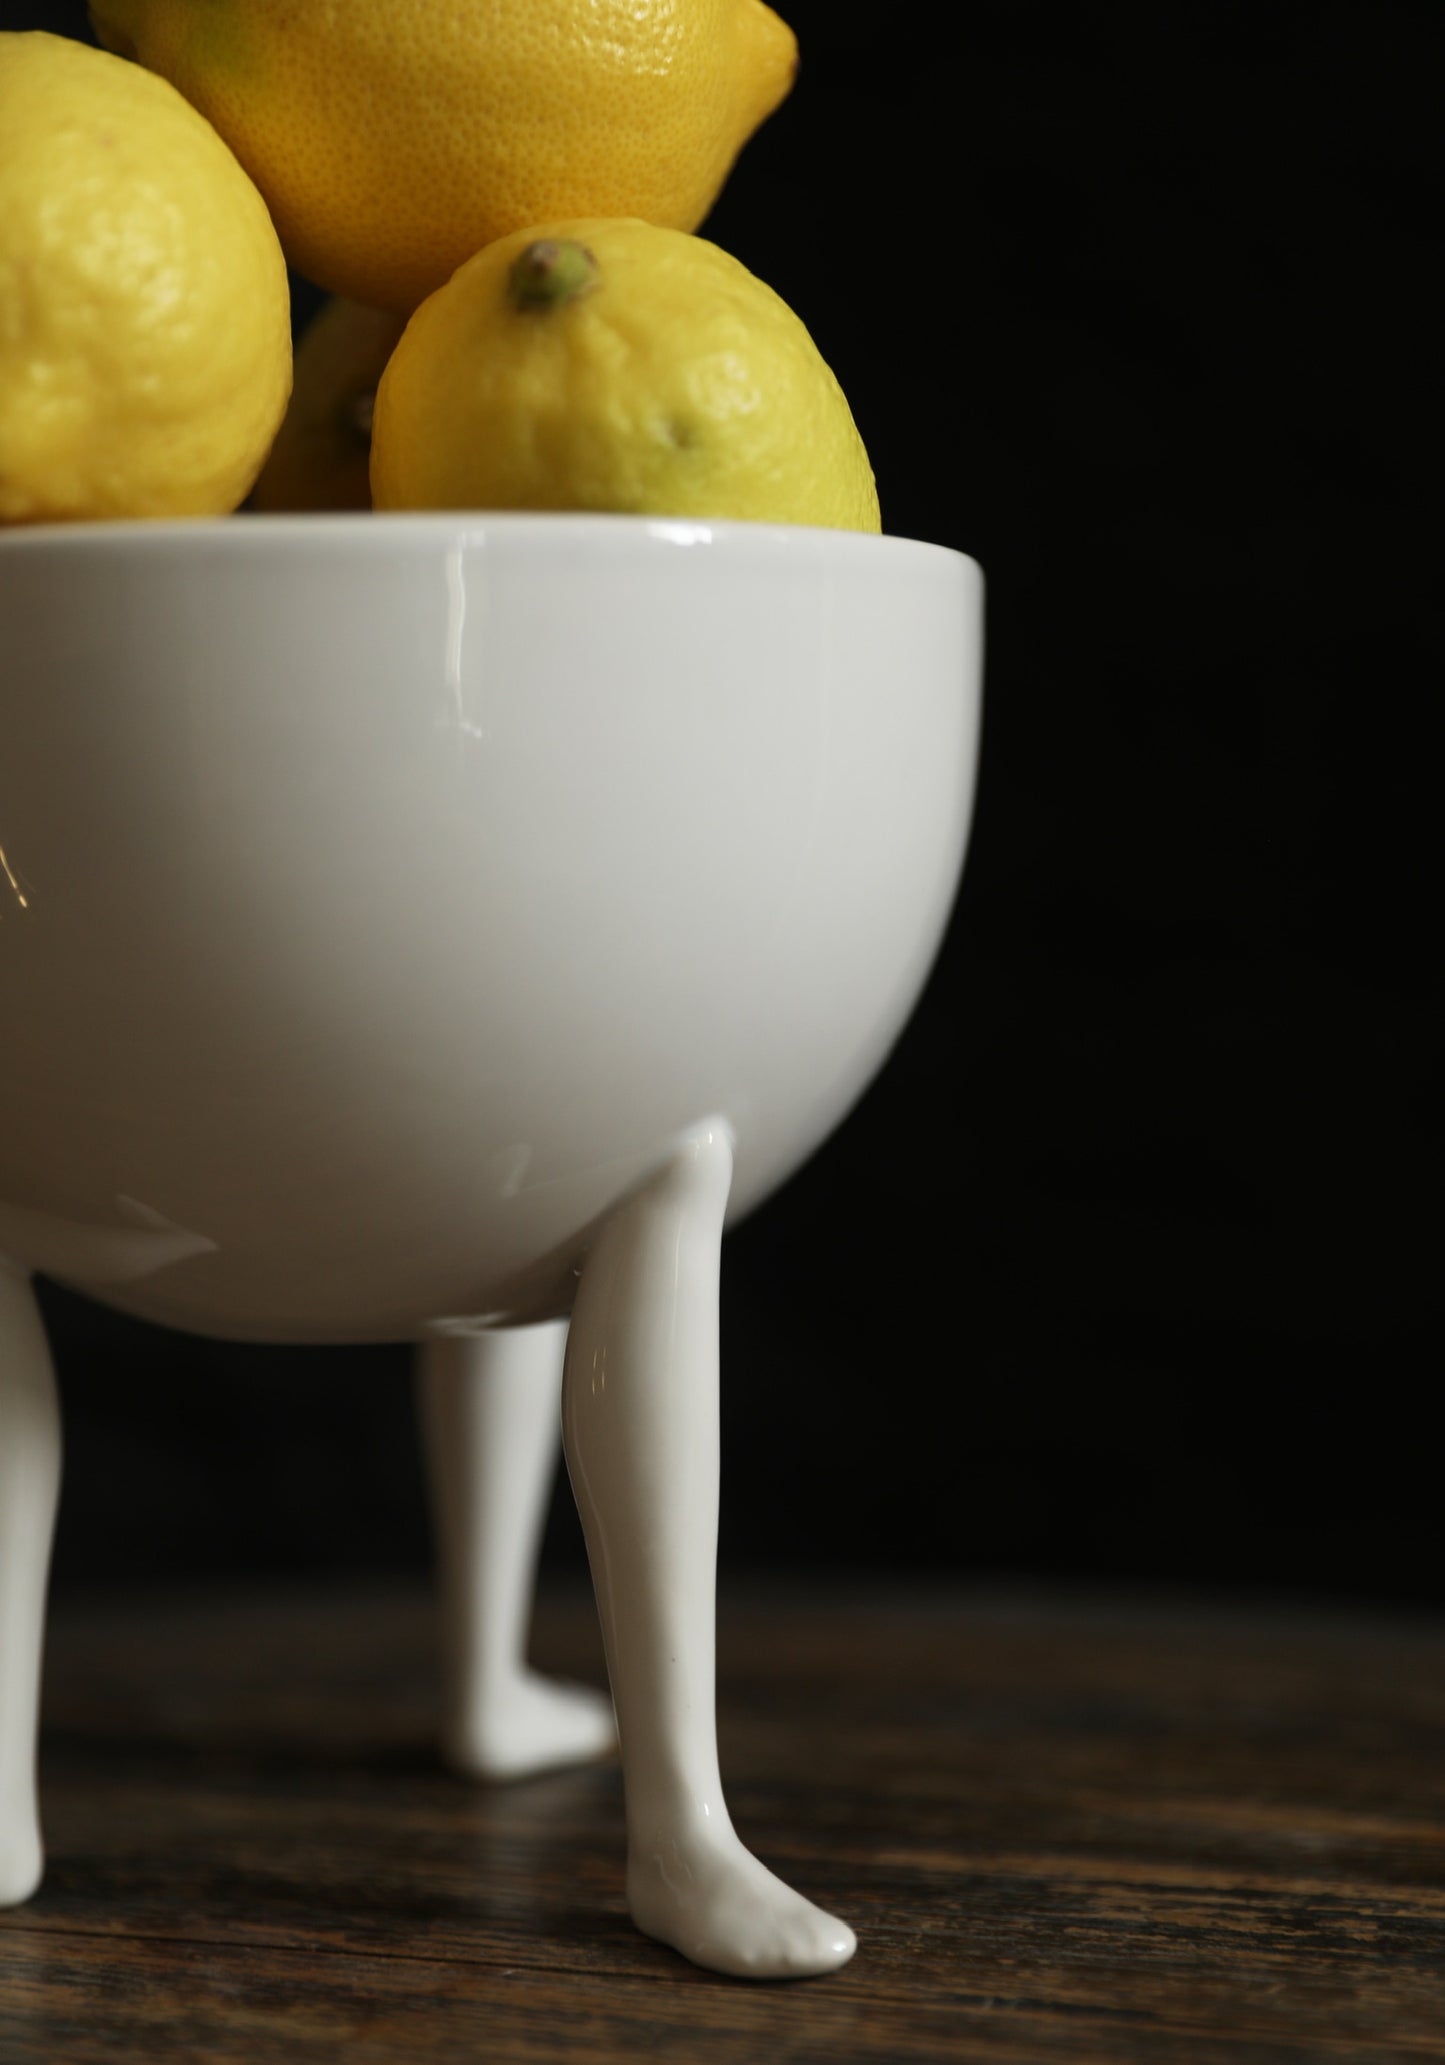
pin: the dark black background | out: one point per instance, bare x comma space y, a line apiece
1126, 1266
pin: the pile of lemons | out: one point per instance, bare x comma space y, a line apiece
501, 198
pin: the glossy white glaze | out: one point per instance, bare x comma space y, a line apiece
490, 1411
29, 1488
420, 926
382, 897
640, 1422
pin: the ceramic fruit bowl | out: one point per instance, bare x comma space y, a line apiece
407, 923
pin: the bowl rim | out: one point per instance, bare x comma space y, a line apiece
372, 530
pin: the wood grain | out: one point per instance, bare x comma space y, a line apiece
1064, 1827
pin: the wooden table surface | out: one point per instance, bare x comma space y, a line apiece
1065, 1827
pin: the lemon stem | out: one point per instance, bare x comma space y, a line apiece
551, 272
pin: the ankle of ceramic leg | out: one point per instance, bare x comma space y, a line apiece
493, 1686
667, 1808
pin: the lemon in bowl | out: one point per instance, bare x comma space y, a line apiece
393, 139
321, 456
145, 341
616, 366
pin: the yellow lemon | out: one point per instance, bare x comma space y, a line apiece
145, 339
322, 452
393, 138
616, 365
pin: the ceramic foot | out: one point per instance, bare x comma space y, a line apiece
710, 1898
640, 1420
532, 1724
490, 1413
22, 1858
29, 1487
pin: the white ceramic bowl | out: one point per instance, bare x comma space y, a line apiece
381, 897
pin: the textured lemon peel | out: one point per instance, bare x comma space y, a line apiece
392, 139
688, 388
145, 348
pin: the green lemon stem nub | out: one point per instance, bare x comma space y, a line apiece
551, 272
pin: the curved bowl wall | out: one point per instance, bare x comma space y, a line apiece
380, 897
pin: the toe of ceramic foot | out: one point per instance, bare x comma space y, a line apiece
729, 1913
22, 1864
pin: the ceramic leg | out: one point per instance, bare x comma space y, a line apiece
489, 1408
29, 1489
640, 1425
